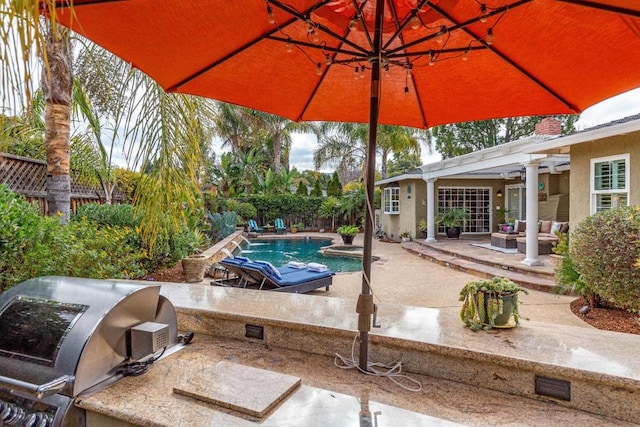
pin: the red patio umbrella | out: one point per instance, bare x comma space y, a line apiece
418, 63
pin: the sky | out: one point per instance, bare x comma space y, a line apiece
618, 107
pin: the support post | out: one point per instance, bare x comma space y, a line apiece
364, 307
431, 210
531, 256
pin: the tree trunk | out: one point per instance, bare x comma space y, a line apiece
57, 83
277, 153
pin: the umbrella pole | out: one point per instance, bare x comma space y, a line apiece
365, 306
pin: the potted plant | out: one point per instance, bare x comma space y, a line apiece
297, 226
453, 220
194, 267
490, 303
348, 232
405, 236
422, 227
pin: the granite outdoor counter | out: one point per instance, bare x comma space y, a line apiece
594, 370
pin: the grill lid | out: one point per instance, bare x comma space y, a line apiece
72, 332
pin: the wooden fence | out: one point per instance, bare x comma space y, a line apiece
28, 177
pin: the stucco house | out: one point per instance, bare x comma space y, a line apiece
542, 177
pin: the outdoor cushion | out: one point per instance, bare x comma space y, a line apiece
556, 226
269, 268
564, 228
301, 276
545, 227
520, 226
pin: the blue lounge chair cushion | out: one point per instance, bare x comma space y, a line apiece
301, 276
269, 269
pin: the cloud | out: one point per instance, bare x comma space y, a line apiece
617, 107
301, 155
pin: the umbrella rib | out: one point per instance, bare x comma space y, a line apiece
400, 27
225, 58
509, 61
398, 34
324, 73
605, 7
306, 16
457, 25
362, 21
318, 47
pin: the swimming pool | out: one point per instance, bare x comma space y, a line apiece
281, 251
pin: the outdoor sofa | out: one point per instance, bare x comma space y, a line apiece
517, 240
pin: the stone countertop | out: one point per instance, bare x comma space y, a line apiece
579, 350
329, 396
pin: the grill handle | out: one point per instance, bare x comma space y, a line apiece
39, 391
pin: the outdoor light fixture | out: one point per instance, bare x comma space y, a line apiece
353, 24
483, 13
319, 69
432, 58
408, 191
440, 35
414, 22
489, 38
499, 193
523, 175
271, 18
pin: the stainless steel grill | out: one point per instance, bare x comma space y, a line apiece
62, 336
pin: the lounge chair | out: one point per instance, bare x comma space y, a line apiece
234, 266
285, 278
253, 226
280, 227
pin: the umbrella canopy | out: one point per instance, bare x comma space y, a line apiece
443, 61
418, 63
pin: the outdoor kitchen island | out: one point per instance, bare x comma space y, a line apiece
298, 335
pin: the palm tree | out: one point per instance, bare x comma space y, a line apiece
343, 146
160, 129
277, 131
399, 139
232, 126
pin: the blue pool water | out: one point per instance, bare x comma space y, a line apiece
281, 251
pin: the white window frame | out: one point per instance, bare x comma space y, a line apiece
595, 193
392, 200
482, 223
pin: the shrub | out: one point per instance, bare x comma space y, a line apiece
116, 215
246, 210
604, 248
79, 249
222, 224
17, 221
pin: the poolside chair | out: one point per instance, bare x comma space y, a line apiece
253, 226
280, 227
234, 265
285, 278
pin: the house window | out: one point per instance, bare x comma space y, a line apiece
609, 182
476, 201
392, 200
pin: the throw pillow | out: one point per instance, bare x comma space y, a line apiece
555, 226
545, 227
564, 228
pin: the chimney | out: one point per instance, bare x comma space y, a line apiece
548, 126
